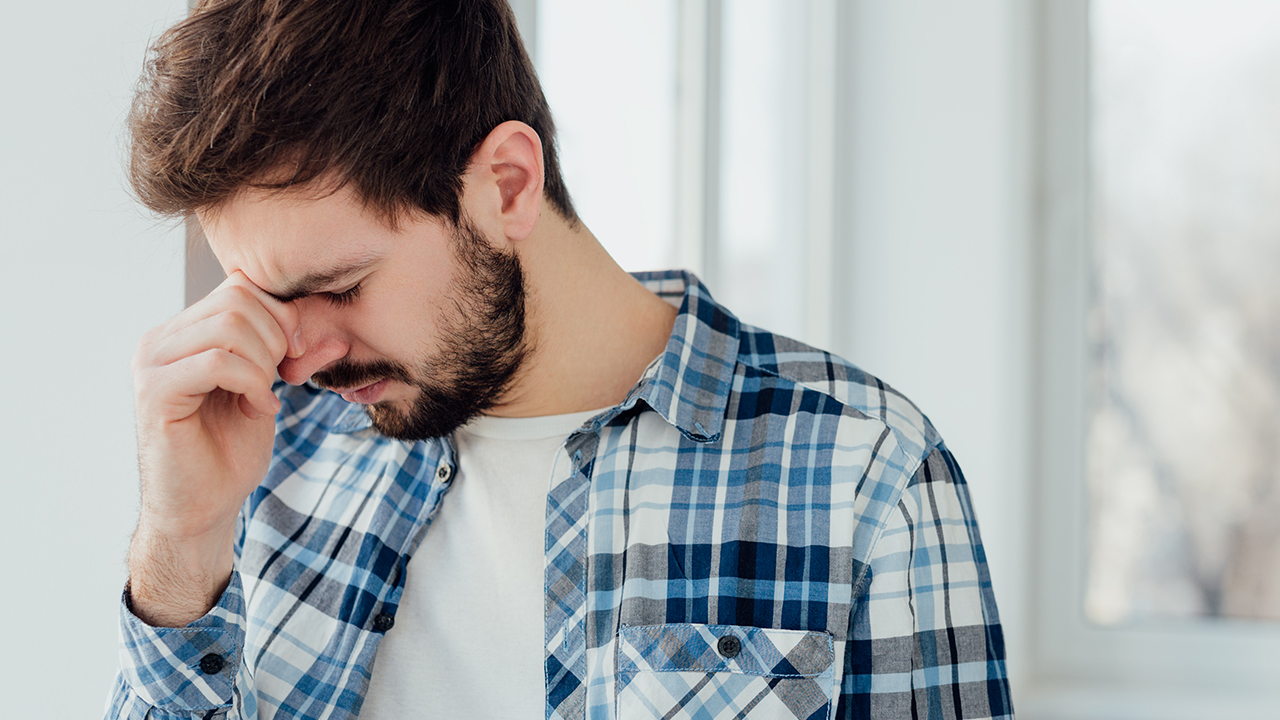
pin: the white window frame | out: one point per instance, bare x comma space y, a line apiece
698, 241
1168, 670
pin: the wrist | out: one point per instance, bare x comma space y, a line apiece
173, 582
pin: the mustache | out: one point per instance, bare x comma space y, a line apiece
346, 374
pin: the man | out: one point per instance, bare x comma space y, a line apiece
618, 500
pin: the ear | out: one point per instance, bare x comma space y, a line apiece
504, 180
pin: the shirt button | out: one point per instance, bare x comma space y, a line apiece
384, 622
211, 664
729, 646
443, 473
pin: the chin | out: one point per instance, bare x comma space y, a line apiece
388, 410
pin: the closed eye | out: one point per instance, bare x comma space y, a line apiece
343, 298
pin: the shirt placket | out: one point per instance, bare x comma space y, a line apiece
566, 582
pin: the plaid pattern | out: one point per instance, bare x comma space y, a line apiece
169, 671
748, 487
685, 671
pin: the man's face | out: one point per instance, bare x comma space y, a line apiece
423, 323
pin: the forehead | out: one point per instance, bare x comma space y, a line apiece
273, 236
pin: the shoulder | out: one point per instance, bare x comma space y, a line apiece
855, 390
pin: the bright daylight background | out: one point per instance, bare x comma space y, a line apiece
906, 183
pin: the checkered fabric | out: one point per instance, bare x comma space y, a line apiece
696, 671
758, 530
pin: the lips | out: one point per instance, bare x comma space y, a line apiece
366, 395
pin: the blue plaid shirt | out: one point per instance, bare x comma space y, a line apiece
760, 529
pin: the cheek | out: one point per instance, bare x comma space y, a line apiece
402, 327
412, 301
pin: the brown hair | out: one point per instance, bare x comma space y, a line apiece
391, 96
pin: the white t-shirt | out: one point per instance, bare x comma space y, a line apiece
469, 635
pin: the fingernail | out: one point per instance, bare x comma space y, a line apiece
297, 342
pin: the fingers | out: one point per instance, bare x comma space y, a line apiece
247, 409
177, 389
232, 340
285, 314
238, 317
234, 307
252, 336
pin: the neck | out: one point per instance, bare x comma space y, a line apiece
592, 328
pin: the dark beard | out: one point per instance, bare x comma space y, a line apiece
481, 348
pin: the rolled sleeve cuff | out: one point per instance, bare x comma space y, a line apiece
186, 669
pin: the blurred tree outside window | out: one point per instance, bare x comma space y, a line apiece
1184, 432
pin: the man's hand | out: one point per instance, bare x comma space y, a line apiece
206, 425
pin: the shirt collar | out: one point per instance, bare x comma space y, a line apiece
688, 384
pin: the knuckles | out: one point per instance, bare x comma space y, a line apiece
233, 323
240, 292
215, 361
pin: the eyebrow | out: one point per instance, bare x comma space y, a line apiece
316, 281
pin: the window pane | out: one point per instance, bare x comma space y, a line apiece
762, 158
1185, 427
608, 70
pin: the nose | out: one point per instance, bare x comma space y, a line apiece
323, 344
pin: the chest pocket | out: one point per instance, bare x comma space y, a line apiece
723, 671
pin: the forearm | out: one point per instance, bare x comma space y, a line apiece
172, 582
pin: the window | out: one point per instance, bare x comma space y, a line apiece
700, 134
1123, 179
762, 180
1185, 316
609, 73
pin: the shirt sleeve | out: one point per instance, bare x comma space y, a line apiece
924, 635
196, 671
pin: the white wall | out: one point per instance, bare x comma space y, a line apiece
85, 273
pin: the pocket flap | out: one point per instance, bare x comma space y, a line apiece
699, 648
